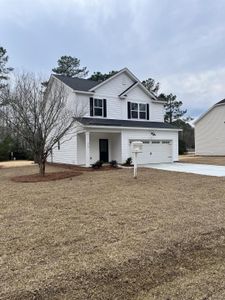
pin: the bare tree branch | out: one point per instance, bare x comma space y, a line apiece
41, 117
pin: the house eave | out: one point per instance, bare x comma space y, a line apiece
159, 101
83, 92
130, 128
205, 113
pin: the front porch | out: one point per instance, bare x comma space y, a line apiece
98, 145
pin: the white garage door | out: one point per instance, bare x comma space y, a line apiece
157, 151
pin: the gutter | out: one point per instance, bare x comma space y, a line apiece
131, 128
83, 92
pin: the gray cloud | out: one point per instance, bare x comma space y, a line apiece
179, 43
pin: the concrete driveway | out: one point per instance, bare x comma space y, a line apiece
208, 170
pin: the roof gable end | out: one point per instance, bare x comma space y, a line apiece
135, 80
221, 102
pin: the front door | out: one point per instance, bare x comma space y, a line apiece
104, 150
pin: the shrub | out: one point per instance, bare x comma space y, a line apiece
129, 161
5, 148
98, 164
113, 163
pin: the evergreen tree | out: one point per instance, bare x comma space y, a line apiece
173, 108
98, 76
70, 66
151, 85
4, 70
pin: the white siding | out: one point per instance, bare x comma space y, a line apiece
146, 135
114, 145
81, 149
115, 86
157, 112
73, 151
210, 133
67, 152
81, 104
116, 107
137, 94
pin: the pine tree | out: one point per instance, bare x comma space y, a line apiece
4, 70
70, 66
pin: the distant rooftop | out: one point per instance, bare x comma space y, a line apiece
221, 102
78, 84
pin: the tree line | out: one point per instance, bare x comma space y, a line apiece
34, 117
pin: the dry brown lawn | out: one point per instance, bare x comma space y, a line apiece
209, 160
16, 163
104, 235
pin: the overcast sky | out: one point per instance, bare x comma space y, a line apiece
180, 43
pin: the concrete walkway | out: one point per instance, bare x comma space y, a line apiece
208, 170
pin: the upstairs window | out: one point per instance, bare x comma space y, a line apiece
143, 111
134, 111
138, 111
98, 107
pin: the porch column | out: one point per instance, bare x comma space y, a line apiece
87, 147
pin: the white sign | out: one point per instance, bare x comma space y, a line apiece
136, 147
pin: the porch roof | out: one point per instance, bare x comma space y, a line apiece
125, 123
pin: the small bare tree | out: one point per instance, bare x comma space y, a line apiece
40, 116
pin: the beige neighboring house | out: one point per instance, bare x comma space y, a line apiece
210, 131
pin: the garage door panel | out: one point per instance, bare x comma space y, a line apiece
155, 152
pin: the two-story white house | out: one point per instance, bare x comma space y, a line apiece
119, 111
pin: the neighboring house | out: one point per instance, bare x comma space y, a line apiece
210, 131
119, 110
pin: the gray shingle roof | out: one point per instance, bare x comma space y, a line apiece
78, 84
221, 102
125, 123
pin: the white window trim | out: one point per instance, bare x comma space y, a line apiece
138, 111
101, 107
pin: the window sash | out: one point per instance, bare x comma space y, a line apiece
142, 115
138, 111
98, 108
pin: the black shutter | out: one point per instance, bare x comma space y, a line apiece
91, 107
147, 111
104, 108
128, 110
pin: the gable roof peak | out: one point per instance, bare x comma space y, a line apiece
220, 103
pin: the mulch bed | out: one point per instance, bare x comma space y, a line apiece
47, 177
74, 171
83, 169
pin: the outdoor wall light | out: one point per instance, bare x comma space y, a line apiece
153, 133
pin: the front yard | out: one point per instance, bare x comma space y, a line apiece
209, 160
104, 235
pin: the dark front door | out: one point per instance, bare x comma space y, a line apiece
104, 150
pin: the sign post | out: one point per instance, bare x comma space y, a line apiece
136, 147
